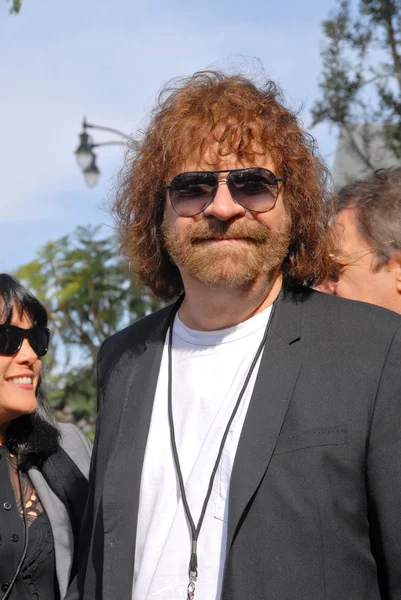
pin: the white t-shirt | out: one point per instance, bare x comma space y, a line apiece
208, 372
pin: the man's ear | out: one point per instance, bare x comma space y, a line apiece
327, 287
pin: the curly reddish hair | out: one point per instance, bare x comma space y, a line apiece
228, 114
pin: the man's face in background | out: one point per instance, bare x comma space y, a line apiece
359, 277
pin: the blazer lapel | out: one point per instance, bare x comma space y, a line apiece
123, 474
61, 528
278, 372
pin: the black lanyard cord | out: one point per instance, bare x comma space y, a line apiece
195, 530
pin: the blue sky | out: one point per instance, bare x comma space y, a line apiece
107, 60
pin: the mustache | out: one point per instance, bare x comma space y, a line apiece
258, 233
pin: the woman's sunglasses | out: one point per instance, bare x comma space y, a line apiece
12, 337
256, 189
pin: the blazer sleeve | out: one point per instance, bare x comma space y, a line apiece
384, 474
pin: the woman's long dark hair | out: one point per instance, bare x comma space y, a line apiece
32, 438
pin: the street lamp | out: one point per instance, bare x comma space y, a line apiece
84, 153
86, 158
91, 173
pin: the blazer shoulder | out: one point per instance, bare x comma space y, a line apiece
351, 317
77, 445
135, 335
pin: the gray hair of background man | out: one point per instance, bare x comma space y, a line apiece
377, 202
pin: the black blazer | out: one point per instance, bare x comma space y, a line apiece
315, 496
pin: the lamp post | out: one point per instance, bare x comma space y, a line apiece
84, 154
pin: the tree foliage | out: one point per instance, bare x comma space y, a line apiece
15, 7
361, 74
89, 296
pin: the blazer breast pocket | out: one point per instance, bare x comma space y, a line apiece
290, 441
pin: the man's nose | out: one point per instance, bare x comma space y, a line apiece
224, 207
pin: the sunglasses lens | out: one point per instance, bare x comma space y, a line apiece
190, 193
256, 189
12, 337
39, 339
10, 340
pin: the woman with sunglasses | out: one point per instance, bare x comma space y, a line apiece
43, 466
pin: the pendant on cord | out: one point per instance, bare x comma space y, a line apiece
191, 585
193, 571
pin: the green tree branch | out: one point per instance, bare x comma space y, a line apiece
360, 82
15, 7
89, 295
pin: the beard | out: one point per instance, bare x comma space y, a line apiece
258, 252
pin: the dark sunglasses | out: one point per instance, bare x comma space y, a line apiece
12, 337
256, 189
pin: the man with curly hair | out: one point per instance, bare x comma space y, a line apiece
249, 434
